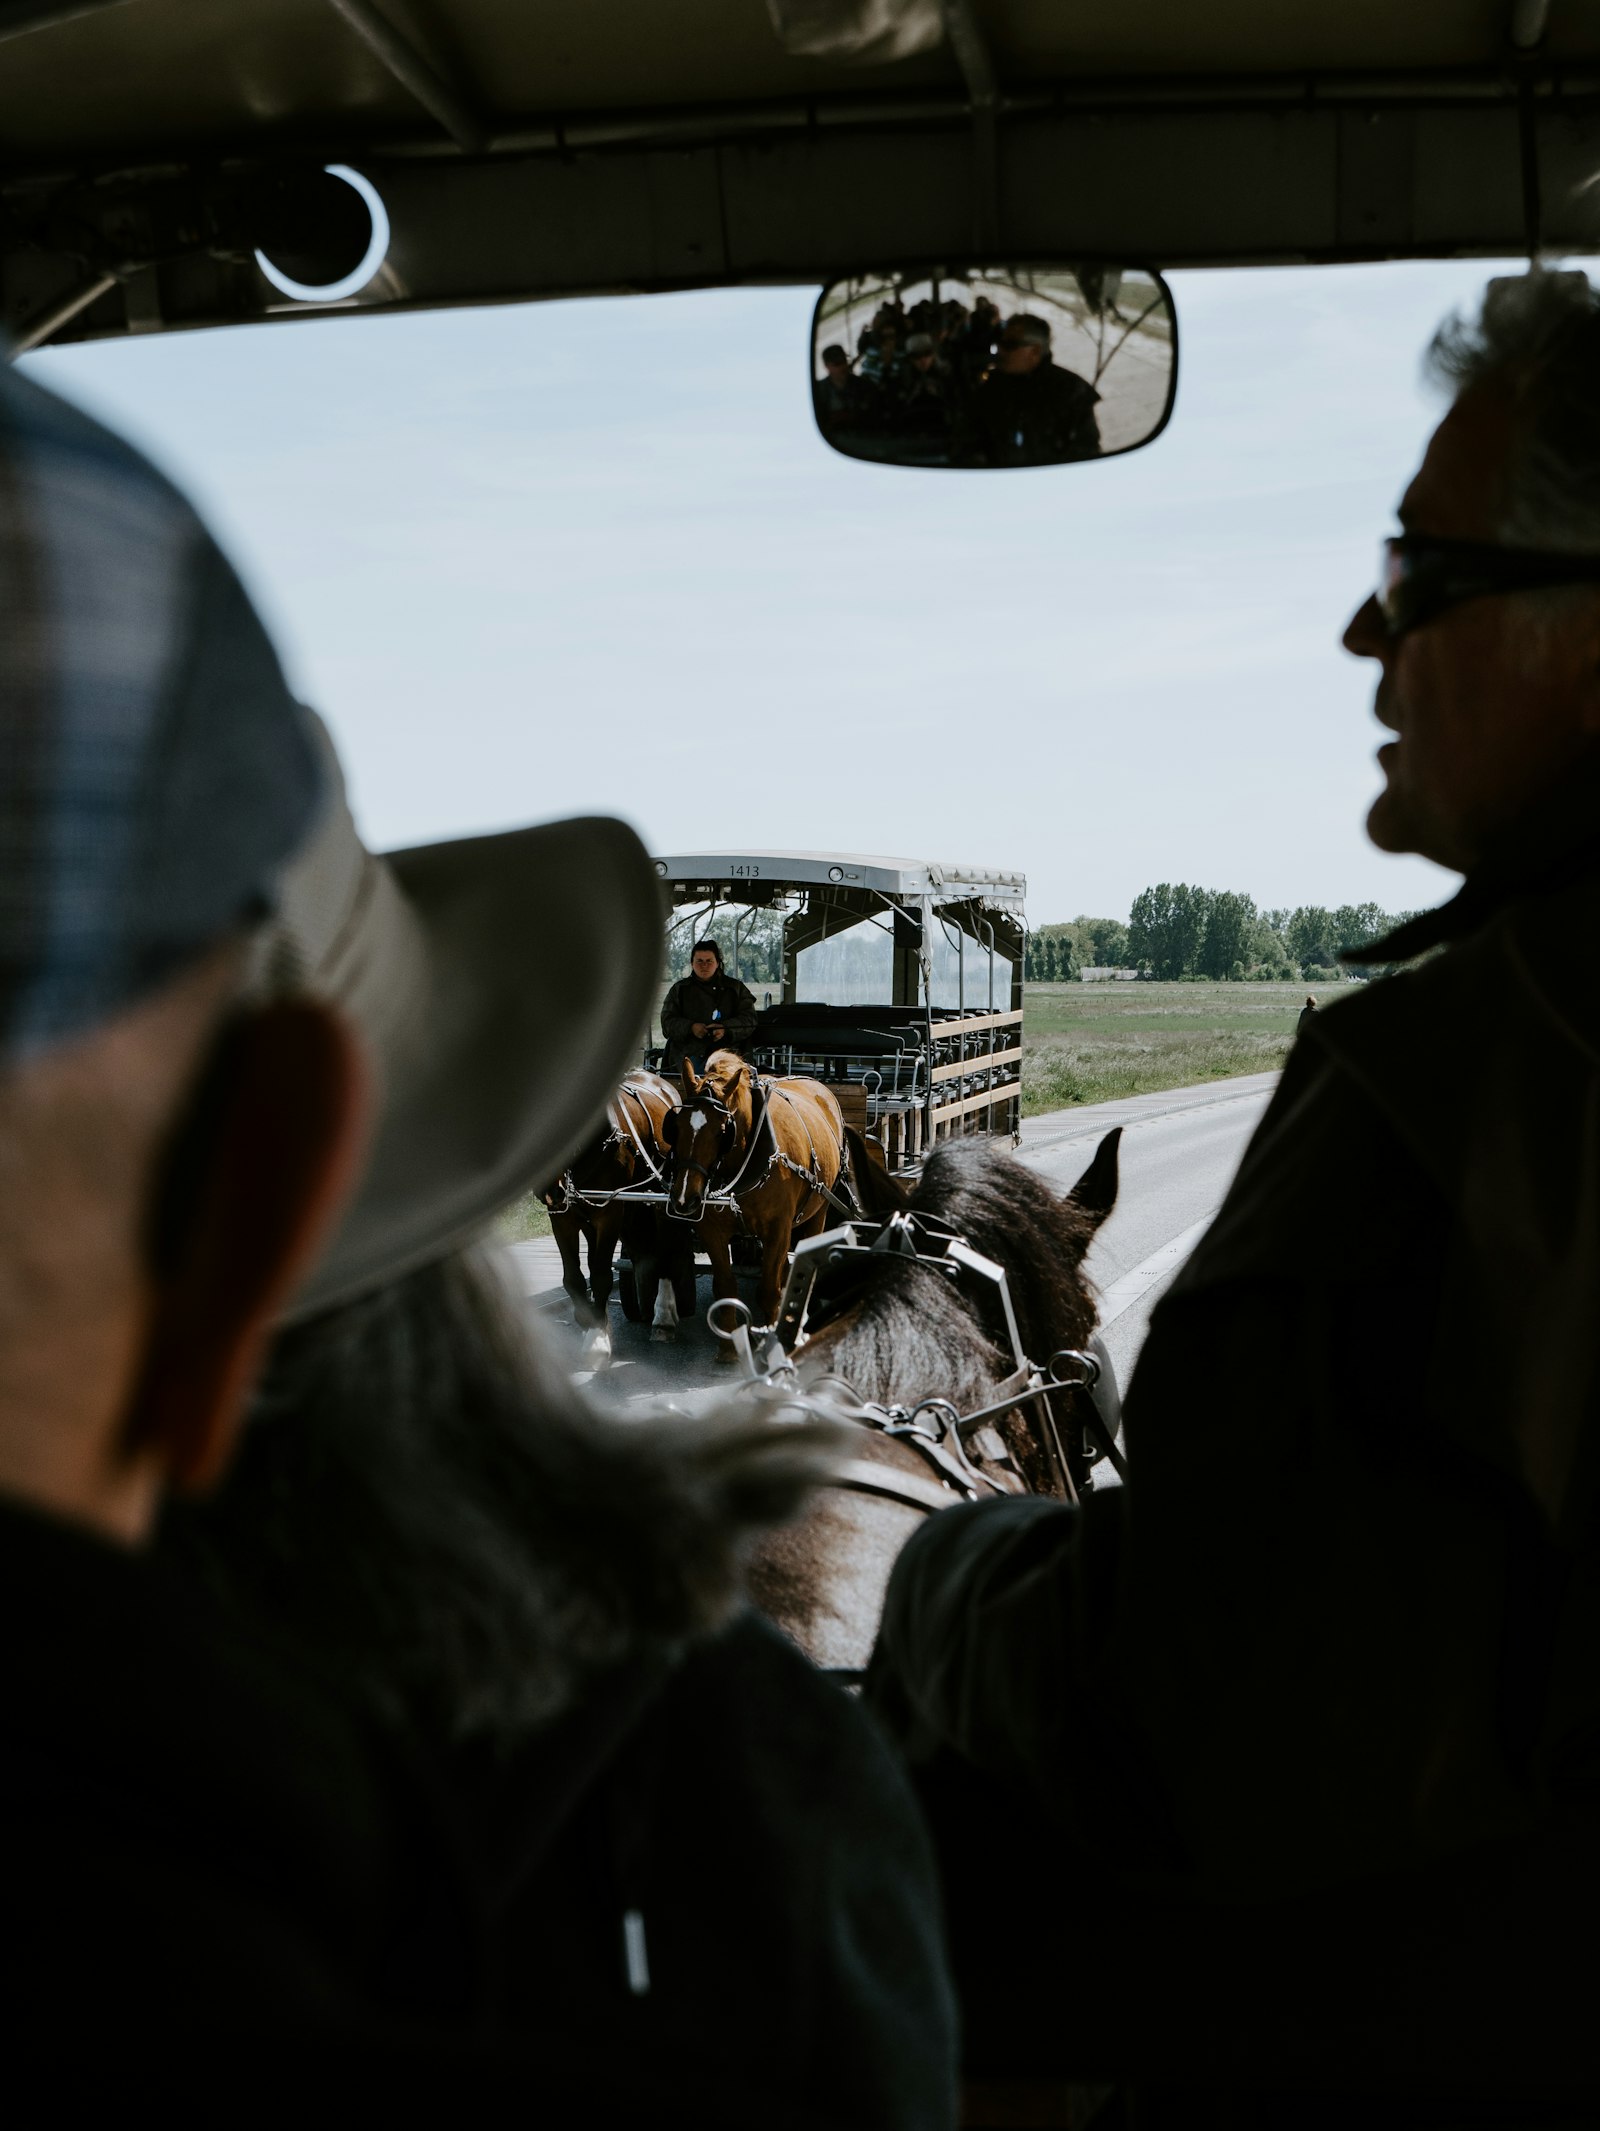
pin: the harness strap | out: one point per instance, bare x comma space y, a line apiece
862, 1476
628, 1089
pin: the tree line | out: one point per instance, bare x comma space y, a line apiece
1177, 931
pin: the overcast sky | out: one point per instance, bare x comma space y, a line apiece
592, 556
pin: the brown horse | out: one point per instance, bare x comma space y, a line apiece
632, 1149
769, 1150
908, 1333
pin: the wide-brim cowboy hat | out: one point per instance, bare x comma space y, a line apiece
502, 986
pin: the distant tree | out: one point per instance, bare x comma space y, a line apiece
1230, 922
1165, 929
1358, 924
1312, 938
1106, 940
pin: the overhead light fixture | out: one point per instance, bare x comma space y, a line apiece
343, 236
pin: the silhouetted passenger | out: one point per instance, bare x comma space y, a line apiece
1324, 1679
842, 402
199, 1849
704, 1878
1027, 411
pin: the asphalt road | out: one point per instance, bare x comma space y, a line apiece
1179, 1151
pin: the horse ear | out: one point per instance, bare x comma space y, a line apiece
1095, 1192
691, 1079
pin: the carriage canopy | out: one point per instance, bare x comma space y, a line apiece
896, 980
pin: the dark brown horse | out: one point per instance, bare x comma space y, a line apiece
910, 1333
755, 1156
632, 1149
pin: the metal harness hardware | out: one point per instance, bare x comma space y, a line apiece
826, 1273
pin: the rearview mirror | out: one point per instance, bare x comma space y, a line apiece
994, 365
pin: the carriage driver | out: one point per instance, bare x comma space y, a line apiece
706, 1011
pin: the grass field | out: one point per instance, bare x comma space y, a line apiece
1087, 1043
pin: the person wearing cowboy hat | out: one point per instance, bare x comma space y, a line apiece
705, 1876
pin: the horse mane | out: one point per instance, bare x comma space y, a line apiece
916, 1334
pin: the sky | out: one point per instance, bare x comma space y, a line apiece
592, 557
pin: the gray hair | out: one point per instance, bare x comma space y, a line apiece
1537, 335
1028, 327
427, 1508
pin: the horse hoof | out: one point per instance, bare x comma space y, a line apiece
596, 1348
664, 1334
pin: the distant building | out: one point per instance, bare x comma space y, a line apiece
1092, 975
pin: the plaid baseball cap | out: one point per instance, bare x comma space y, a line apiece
155, 772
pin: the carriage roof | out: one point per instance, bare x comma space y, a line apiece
760, 877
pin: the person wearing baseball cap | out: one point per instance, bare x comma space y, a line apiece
203, 1850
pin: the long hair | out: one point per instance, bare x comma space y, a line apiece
424, 1504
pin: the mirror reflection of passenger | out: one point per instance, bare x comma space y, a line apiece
705, 1011
977, 339
880, 366
1028, 411
842, 400
923, 396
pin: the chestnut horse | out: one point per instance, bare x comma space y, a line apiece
771, 1150
632, 1149
908, 1333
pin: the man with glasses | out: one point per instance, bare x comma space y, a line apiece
1027, 411
1324, 1679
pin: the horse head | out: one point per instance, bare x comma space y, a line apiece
710, 1129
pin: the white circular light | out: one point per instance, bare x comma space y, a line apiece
661, 867
836, 873
358, 277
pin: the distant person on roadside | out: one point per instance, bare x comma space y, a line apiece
1028, 411
705, 1011
1324, 1680
706, 1885
1306, 1012
197, 1844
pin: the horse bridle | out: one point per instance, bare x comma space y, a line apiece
759, 1121
933, 1427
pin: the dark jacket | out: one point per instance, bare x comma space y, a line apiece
1343, 1628
723, 999
1031, 418
202, 1861
788, 1916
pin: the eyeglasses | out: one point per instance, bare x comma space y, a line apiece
1420, 578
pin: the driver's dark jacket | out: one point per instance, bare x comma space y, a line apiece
690, 1001
1345, 1619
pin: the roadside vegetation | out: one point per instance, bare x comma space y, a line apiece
1175, 930
1089, 1043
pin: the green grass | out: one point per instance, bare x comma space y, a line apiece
522, 1220
1088, 1043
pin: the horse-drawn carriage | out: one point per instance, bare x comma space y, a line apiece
890, 1019
899, 983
